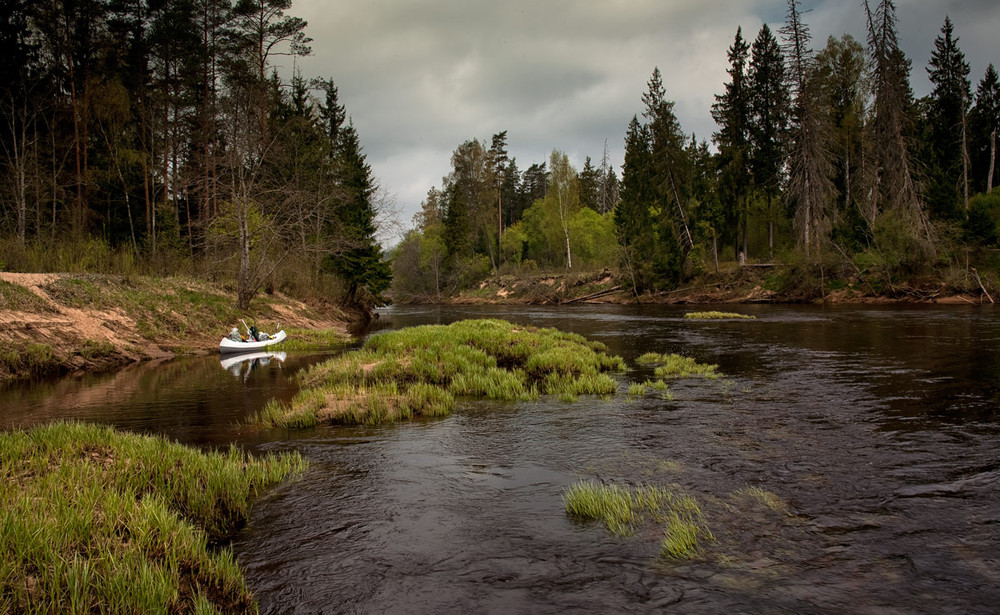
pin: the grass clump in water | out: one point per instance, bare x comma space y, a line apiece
621, 508
637, 389
713, 315
677, 366
421, 371
97, 520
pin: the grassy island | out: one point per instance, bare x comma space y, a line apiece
420, 371
98, 520
713, 315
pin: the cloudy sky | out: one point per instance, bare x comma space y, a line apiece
419, 77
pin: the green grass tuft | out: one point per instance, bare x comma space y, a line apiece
622, 508
97, 520
678, 366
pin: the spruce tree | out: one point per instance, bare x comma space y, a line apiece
889, 174
731, 113
590, 182
840, 80
948, 194
985, 123
360, 261
671, 171
769, 117
633, 222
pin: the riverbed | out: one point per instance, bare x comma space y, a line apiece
875, 429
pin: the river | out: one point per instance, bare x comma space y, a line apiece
876, 428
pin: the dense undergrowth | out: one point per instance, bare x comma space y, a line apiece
97, 520
420, 371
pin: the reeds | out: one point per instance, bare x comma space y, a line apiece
713, 315
97, 520
622, 508
421, 371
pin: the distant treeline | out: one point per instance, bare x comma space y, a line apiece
820, 158
159, 132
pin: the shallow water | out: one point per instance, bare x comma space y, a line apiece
876, 427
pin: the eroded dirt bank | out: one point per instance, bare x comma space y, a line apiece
61, 323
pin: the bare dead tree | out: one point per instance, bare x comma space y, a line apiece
810, 190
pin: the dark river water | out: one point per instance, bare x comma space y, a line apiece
876, 428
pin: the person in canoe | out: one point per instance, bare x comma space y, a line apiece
236, 342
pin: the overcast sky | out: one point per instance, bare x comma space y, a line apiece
419, 77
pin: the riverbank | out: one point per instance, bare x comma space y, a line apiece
758, 283
62, 323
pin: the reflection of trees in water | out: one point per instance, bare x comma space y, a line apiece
145, 392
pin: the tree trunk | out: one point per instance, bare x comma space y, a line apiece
715, 251
965, 162
993, 157
569, 256
243, 291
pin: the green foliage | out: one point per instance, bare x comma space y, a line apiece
592, 238
982, 227
513, 243
420, 371
133, 532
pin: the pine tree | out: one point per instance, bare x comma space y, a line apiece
948, 118
497, 161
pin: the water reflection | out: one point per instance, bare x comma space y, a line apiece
243, 365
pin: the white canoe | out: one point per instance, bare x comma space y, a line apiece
229, 346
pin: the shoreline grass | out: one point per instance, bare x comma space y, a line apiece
98, 520
621, 508
714, 315
422, 371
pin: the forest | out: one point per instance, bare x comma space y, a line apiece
823, 161
156, 137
